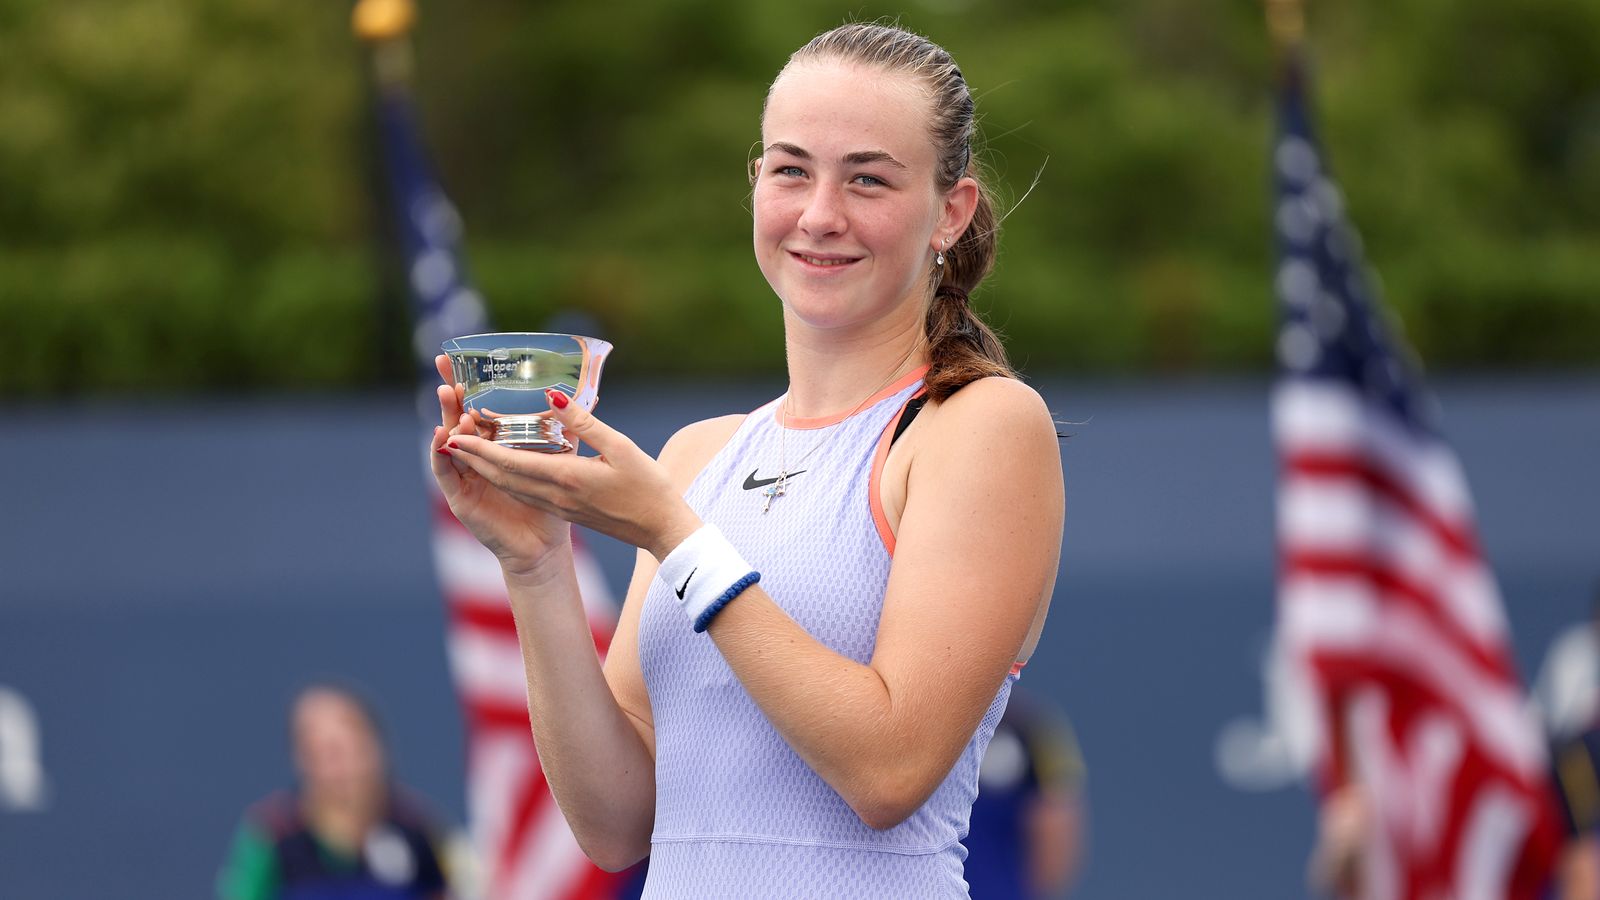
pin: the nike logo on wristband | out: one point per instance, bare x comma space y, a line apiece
752, 482
686, 582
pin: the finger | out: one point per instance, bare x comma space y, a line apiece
449, 405
458, 390
471, 423
579, 423
447, 374
446, 469
527, 476
487, 422
442, 452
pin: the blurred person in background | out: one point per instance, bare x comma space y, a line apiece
345, 831
834, 594
1570, 677
1027, 833
1577, 771
1567, 689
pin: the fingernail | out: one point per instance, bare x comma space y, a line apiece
453, 445
443, 451
557, 399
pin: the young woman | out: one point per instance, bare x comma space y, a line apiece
834, 593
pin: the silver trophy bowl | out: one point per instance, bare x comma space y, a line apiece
507, 374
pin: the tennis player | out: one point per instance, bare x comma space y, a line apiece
834, 593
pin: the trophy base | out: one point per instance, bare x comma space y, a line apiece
541, 434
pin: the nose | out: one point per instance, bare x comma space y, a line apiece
824, 212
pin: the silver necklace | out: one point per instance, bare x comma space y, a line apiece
780, 486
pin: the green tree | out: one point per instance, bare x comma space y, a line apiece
185, 185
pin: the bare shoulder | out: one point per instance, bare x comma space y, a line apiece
688, 451
995, 409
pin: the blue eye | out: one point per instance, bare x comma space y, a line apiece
871, 181
795, 171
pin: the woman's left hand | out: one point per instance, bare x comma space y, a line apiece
623, 492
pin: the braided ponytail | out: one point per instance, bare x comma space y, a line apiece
961, 348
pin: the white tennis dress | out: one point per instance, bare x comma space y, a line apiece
738, 813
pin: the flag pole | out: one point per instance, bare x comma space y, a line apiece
384, 27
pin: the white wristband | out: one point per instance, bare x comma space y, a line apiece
705, 572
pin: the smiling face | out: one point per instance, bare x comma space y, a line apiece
847, 215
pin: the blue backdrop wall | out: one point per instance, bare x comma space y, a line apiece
171, 572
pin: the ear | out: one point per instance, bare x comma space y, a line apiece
754, 170
960, 203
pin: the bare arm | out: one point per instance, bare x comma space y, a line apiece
599, 765
974, 564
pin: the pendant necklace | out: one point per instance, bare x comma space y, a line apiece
780, 486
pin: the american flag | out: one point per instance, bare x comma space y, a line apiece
1386, 606
525, 848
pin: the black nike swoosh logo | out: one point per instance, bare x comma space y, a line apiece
686, 582
752, 482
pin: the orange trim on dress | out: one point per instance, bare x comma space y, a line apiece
1016, 667
874, 500
802, 424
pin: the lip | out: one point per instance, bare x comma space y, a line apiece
823, 262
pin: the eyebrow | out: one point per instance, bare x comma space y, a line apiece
858, 157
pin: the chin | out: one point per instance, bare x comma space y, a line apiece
822, 309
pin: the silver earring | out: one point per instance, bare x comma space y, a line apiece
938, 257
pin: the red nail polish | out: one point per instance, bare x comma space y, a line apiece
453, 445
557, 399
443, 451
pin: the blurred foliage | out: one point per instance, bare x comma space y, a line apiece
186, 186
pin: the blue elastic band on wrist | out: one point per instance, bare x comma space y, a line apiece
723, 599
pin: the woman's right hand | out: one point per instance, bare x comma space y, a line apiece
523, 537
